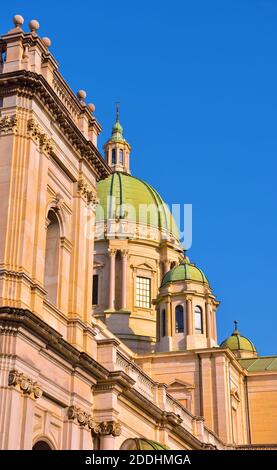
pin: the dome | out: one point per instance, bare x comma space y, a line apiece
236, 342
130, 196
185, 271
117, 133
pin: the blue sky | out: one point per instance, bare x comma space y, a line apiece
197, 86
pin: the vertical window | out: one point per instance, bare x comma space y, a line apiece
95, 289
121, 157
113, 156
179, 319
51, 267
143, 292
198, 320
163, 322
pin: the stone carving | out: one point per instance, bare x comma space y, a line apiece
24, 383
8, 124
86, 191
106, 428
75, 413
45, 143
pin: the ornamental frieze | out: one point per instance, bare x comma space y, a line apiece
8, 124
25, 384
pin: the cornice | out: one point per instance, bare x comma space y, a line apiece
31, 85
18, 318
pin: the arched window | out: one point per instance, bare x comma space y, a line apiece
41, 445
179, 319
198, 320
121, 157
113, 156
163, 322
51, 267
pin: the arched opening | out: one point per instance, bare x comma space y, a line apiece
51, 268
121, 158
198, 320
41, 445
179, 319
113, 156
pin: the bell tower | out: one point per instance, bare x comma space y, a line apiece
117, 149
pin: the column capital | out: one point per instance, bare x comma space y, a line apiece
107, 428
124, 252
112, 251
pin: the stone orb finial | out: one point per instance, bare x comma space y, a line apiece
18, 20
91, 107
47, 42
81, 95
34, 26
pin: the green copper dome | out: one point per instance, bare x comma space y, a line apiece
236, 342
125, 197
183, 272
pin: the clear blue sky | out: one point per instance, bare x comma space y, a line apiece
197, 84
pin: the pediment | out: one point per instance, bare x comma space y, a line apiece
180, 385
144, 266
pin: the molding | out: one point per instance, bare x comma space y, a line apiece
30, 84
18, 318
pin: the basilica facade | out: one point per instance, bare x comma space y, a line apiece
108, 334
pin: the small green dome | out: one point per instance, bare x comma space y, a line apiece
236, 342
185, 271
117, 133
131, 195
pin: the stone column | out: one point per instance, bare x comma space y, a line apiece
124, 254
166, 266
189, 316
214, 323
112, 253
168, 319
208, 319
107, 431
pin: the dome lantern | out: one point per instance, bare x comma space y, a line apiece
117, 149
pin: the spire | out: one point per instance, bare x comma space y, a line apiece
117, 149
236, 331
117, 105
117, 130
